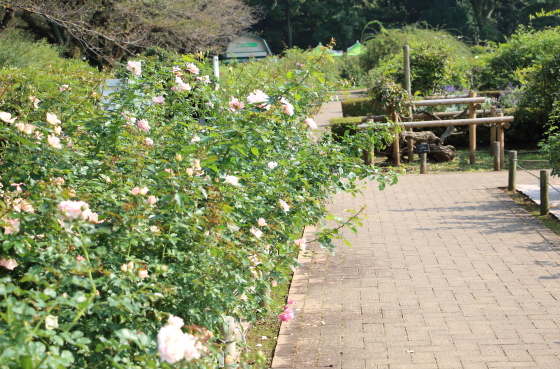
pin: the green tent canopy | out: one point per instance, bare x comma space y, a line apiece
318, 51
356, 49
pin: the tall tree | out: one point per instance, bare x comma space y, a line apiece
106, 30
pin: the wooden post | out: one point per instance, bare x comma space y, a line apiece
396, 143
501, 138
512, 178
496, 152
408, 87
472, 130
545, 199
423, 163
492, 130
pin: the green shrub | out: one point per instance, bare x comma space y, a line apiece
359, 107
339, 126
18, 49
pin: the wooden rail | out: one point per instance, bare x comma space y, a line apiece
467, 100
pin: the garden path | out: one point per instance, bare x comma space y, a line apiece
447, 272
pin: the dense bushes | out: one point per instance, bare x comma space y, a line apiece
181, 198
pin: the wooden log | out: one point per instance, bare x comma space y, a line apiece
441, 115
472, 130
423, 163
441, 97
470, 100
444, 123
424, 136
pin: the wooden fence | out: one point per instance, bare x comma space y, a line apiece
496, 119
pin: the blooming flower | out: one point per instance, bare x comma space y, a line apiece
256, 232
54, 142
171, 344
51, 322
149, 142
144, 191
12, 227
261, 222
94, 218
158, 100
287, 315
175, 321
124, 268
302, 243
152, 200
17, 186
57, 130
143, 125
195, 139
35, 101
284, 205
142, 273
192, 68
9, 264
232, 180
154, 229
287, 108
28, 129
169, 170
59, 181
236, 105
272, 165
129, 120
181, 86
135, 191
52, 119
73, 210
310, 123
135, 67
80, 258
7, 117
22, 205
256, 97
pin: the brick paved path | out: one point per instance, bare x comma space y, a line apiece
446, 273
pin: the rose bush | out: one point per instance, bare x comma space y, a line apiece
181, 197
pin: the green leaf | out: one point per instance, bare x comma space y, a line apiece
255, 151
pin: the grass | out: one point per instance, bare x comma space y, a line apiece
527, 159
549, 220
262, 335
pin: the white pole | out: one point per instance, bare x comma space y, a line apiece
216, 68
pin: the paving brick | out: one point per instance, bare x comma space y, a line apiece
446, 273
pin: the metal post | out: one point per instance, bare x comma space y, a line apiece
512, 170
496, 152
545, 199
216, 68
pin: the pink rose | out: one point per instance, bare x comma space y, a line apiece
94, 218
53, 119
135, 191
271, 165
73, 210
195, 139
310, 123
232, 180
54, 142
287, 315
149, 142
171, 344
143, 125
175, 321
18, 186
302, 243
261, 222
59, 181
9, 264
158, 100
236, 105
12, 227
143, 190
135, 67
142, 273
191, 68
287, 108
7, 117
284, 205
152, 200
80, 258
256, 232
